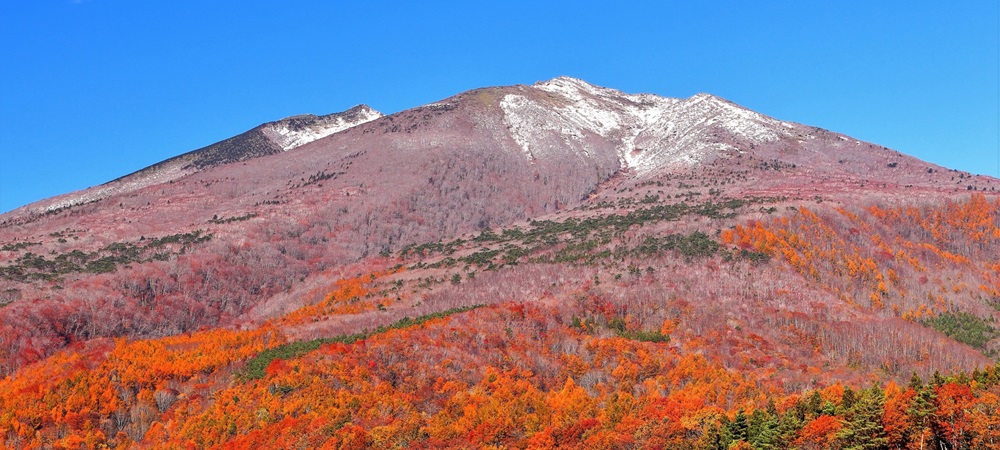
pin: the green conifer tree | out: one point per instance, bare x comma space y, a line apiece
863, 422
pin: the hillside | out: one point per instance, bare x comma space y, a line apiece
527, 266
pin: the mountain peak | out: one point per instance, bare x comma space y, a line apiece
267, 139
573, 88
555, 122
251, 226
648, 132
563, 80
296, 131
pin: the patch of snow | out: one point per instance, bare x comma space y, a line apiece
648, 131
583, 109
278, 132
748, 124
287, 138
520, 115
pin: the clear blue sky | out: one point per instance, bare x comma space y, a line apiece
93, 89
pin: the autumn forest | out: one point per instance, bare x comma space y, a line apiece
497, 270
617, 354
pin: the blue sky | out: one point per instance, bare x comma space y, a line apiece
93, 89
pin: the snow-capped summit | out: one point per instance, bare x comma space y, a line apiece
267, 139
553, 141
647, 131
297, 131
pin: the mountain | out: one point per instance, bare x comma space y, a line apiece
573, 240
267, 139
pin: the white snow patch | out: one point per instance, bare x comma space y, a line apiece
278, 132
520, 115
748, 124
648, 131
583, 110
287, 138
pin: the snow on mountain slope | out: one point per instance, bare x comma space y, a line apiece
701, 128
269, 138
573, 109
300, 130
562, 128
649, 131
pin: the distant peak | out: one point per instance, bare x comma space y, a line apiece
299, 130
716, 101
704, 96
563, 79
576, 89
361, 108
359, 113
565, 82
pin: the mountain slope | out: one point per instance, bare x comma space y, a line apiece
267, 139
199, 240
587, 348
662, 263
481, 159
